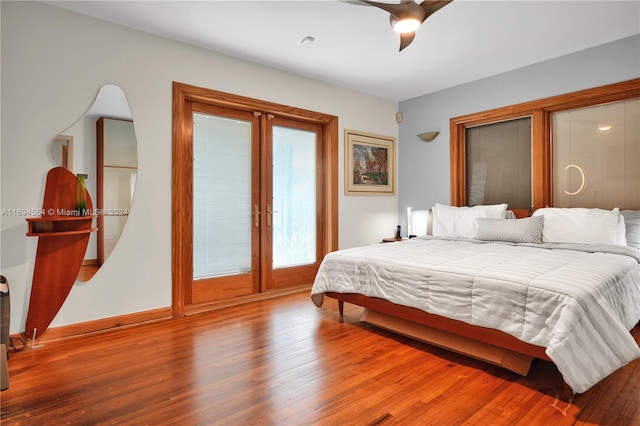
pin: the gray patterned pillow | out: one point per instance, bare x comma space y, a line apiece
527, 230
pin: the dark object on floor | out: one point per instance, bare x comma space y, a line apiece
5, 317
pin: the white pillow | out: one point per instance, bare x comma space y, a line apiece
632, 227
450, 221
579, 225
621, 232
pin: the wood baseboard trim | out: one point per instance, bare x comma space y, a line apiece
160, 314
102, 324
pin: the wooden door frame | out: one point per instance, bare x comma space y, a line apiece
181, 182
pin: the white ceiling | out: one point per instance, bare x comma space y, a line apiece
356, 47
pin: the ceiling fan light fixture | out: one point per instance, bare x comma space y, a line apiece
406, 25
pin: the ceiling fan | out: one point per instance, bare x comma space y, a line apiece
407, 16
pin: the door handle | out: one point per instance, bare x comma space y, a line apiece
270, 214
256, 216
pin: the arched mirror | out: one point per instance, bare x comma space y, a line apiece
102, 144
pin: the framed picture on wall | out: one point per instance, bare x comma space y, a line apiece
370, 162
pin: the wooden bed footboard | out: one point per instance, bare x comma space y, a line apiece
490, 345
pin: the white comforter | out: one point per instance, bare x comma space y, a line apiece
577, 301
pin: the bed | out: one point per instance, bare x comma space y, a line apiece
505, 290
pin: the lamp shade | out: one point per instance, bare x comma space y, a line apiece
419, 221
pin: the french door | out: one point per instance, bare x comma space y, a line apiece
256, 202
280, 223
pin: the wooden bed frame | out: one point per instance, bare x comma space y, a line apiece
489, 345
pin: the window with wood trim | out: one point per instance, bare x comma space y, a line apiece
499, 163
543, 113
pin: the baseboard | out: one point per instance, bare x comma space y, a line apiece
102, 324
152, 315
514, 361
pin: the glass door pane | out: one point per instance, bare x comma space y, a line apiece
221, 196
294, 197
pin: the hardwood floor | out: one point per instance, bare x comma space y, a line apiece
285, 362
87, 272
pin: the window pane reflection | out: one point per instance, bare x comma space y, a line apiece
596, 156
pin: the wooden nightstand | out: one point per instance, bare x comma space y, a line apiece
393, 240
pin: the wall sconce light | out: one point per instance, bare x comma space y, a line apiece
428, 136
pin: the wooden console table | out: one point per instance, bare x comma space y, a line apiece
63, 239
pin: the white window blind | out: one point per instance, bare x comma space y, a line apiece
221, 196
499, 164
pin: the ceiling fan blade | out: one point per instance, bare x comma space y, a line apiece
432, 6
406, 39
355, 2
400, 10
408, 9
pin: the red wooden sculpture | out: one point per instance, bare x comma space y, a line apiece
63, 235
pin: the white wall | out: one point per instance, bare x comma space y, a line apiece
423, 168
54, 63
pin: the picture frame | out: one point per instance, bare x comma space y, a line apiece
370, 164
